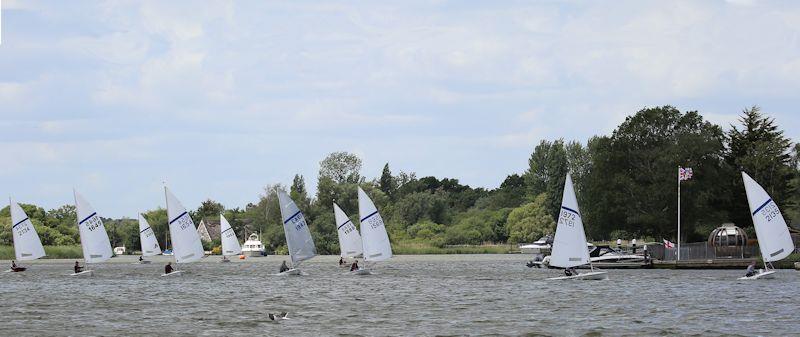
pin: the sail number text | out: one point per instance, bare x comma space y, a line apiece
93, 223
567, 218
770, 211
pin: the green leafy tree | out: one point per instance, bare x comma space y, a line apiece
547, 169
529, 222
387, 182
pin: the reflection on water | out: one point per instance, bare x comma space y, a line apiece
409, 295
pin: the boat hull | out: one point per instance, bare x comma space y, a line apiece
142, 262
83, 273
173, 273
16, 270
361, 272
225, 261
590, 276
290, 272
769, 274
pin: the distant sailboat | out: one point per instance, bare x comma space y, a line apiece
773, 234
375, 240
147, 239
27, 245
94, 239
569, 243
298, 237
350, 245
186, 245
230, 244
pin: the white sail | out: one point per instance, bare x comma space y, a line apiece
94, 239
186, 245
569, 243
349, 239
373, 231
27, 245
773, 234
147, 238
298, 236
230, 244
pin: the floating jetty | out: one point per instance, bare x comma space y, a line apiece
704, 264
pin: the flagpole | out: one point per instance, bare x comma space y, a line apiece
679, 213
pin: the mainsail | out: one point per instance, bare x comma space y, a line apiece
186, 245
773, 234
230, 244
298, 236
94, 239
349, 239
569, 243
373, 231
27, 245
147, 238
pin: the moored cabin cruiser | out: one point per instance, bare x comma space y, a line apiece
253, 246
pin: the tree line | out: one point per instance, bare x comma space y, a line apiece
626, 184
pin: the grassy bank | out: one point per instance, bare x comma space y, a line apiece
415, 248
53, 252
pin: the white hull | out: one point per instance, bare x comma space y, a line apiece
253, 253
594, 275
142, 262
225, 261
762, 274
173, 273
293, 271
83, 273
361, 272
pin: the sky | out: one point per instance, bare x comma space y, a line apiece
221, 98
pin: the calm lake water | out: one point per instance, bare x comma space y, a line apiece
411, 295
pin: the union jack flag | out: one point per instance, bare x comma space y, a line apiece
684, 173
668, 244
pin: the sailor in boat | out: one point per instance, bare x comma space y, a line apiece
751, 269
168, 268
15, 268
141, 258
341, 261
78, 267
224, 258
570, 271
278, 316
354, 266
284, 267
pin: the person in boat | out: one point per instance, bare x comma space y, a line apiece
13, 265
751, 269
78, 267
284, 267
224, 258
168, 268
141, 258
570, 271
341, 261
354, 266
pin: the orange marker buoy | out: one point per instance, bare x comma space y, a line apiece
241, 257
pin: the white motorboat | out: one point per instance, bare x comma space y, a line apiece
253, 246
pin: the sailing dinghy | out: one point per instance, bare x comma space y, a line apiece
230, 244
94, 239
773, 234
569, 243
147, 238
375, 241
350, 245
27, 245
186, 245
298, 237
